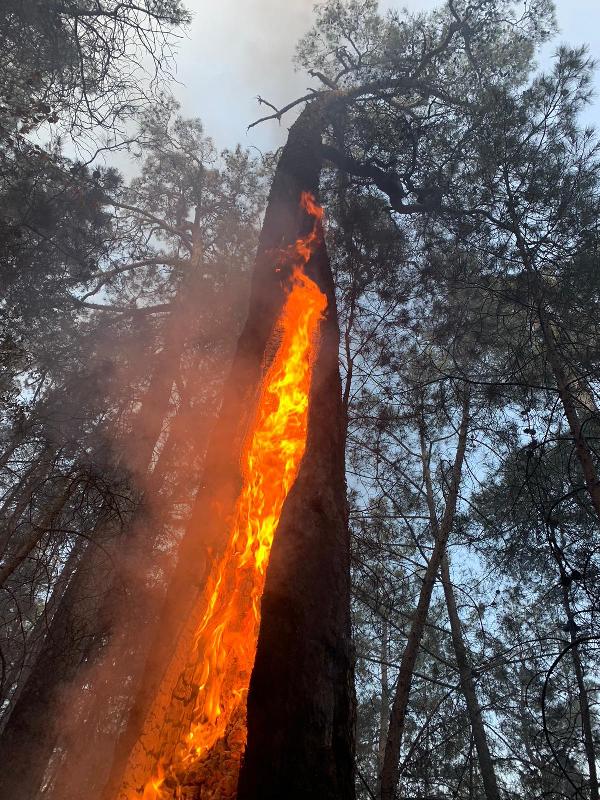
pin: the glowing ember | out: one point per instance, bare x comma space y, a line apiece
226, 639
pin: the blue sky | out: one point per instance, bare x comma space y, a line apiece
237, 49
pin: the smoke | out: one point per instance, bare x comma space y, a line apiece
238, 49
171, 371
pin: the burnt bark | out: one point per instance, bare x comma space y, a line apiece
390, 770
300, 702
467, 682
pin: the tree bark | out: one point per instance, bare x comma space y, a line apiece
467, 682
390, 771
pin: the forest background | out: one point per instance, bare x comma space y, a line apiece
470, 386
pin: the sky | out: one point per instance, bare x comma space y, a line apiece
238, 49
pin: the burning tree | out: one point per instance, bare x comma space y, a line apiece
186, 733
310, 550
202, 733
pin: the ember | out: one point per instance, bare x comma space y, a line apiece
205, 762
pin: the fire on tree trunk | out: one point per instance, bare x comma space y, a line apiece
307, 590
300, 703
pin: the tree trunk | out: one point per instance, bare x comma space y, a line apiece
584, 708
19, 673
390, 771
30, 732
300, 702
584, 702
38, 530
583, 452
17, 437
109, 680
314, 742
486, 766
385, 701
24, 490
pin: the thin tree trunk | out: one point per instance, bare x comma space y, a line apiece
35, 640
107, 682
486, 765
563, 383
584, 708
384, 711
24, 490
584, 455
20, 431
112, 670
584, 702
29, 736
39, 529
390, 771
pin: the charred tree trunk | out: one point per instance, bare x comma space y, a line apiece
467, 682
300, 707
390, 771
314, 741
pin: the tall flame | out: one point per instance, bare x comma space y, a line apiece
226, 638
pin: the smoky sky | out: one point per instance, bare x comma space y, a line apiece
237, 49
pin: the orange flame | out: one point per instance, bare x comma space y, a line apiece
226, 639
